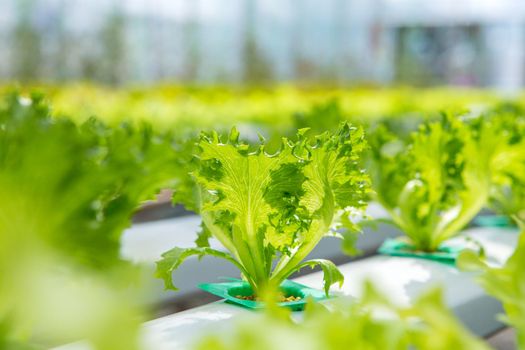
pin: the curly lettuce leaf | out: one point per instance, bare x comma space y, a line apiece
248, 200
336, 185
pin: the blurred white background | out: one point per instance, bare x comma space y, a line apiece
416, 42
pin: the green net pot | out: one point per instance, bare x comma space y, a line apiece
229, 291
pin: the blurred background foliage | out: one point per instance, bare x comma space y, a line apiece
177, 106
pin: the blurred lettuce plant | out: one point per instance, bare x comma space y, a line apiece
67, 193
372, 322
506, 283
434, 182
321, 117
502, 131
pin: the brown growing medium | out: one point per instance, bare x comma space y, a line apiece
282, 298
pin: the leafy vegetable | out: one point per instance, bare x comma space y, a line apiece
433, 184
67, 193
265, 207
506, 283
503, 132
370, 323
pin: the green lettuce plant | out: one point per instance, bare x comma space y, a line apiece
506, 283
503, 132
432, 184
67, 193
372, 322
507, 198
270, 210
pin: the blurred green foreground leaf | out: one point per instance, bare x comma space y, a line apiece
67, 192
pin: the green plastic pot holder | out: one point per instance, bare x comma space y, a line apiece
445, 253
494, 221
229, 291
